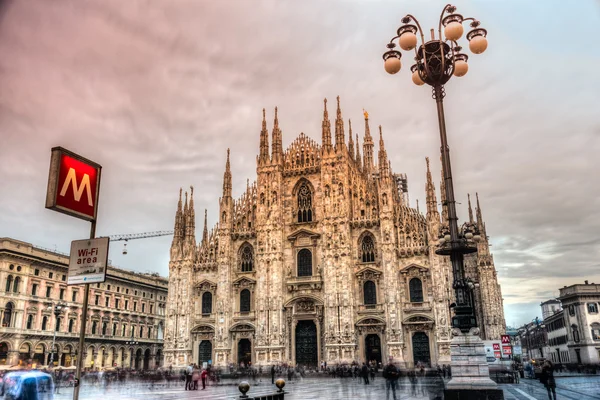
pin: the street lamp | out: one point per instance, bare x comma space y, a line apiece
437, 60
58, 309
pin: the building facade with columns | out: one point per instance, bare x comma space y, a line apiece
128, 307
322, 258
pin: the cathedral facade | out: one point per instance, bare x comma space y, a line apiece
320, 259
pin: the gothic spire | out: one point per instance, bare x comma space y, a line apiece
190, 220
383, 162
205, 230
264, 142
430, 191
227, 178
277, 152
470, 209
178, 234
368, 146
358, 160
339, 128
480, 223
326, 129
350, 140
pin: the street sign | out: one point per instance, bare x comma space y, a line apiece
496, 346
505, 339
73, 184
88, 261
507, 350
517, 350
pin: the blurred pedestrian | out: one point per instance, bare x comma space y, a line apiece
391, 375
547, 378
365, 373
188, 376
203, 376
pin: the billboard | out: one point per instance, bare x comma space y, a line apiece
73, 184
88, 261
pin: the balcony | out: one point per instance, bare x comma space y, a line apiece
370, 309
205, 318
304, 283
416, 307
239, 316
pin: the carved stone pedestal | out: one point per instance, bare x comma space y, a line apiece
470, 371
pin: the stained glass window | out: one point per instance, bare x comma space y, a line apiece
370, 293
304, 204
304, 263
206, 303
247, 258
368, 249
416, 290
245, 301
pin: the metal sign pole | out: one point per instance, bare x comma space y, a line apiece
86, 293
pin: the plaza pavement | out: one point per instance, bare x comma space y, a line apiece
577, 388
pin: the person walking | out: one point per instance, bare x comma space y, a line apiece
365, 373
547, 378
188, 376
195, 376
272, 374
391, 375
203, 376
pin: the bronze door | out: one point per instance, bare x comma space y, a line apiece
306, 344
205, 352
244, 352
373, 348
420, 342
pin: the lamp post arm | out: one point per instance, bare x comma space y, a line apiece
441, 18
418, 27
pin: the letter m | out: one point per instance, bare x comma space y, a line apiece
77, 191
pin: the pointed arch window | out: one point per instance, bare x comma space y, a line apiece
30, 321
304, 263
245, 300
367, 249
370, 293
207, 303
246, 258
304, 203
415, 287
71, 325
9, 282
16, 284
44, 322
94, 327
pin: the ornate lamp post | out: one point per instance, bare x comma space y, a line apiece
58, 309
437, 60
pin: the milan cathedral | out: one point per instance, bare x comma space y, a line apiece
320, 259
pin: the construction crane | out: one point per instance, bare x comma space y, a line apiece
132, 236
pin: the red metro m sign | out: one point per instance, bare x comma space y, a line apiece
73, 184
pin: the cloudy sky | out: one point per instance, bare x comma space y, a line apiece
156, 90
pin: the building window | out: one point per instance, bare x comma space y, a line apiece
30, 321
107, 287
592, 307
61, 294
246, 258
135, 306
144, 294
9, 282
123, 329
97, 300
106, 301
571, 310
415, 288
370, 293
104, 327
141, 331
74, 295
48, 291
50, 275
16, 284
126, 291
143, 307
117, 301
304, 263
8, 315
36, 272
206, 303
118, 289
151, 308
94, 327
44, 322
304, 203
64, 278
150, 333
135, 293
57, 326
367, 248
114, 330
575, 333
34, 288
71, 325
245, 300
596, 331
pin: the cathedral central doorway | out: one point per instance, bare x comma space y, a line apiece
306, 344
373, 348
421, 354
244, 352
204, 352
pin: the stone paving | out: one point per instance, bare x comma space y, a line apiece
579, 388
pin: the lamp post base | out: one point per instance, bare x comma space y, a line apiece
469, 368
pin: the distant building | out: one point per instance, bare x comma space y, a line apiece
557, 349
550, 307
127, 307
582, 321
